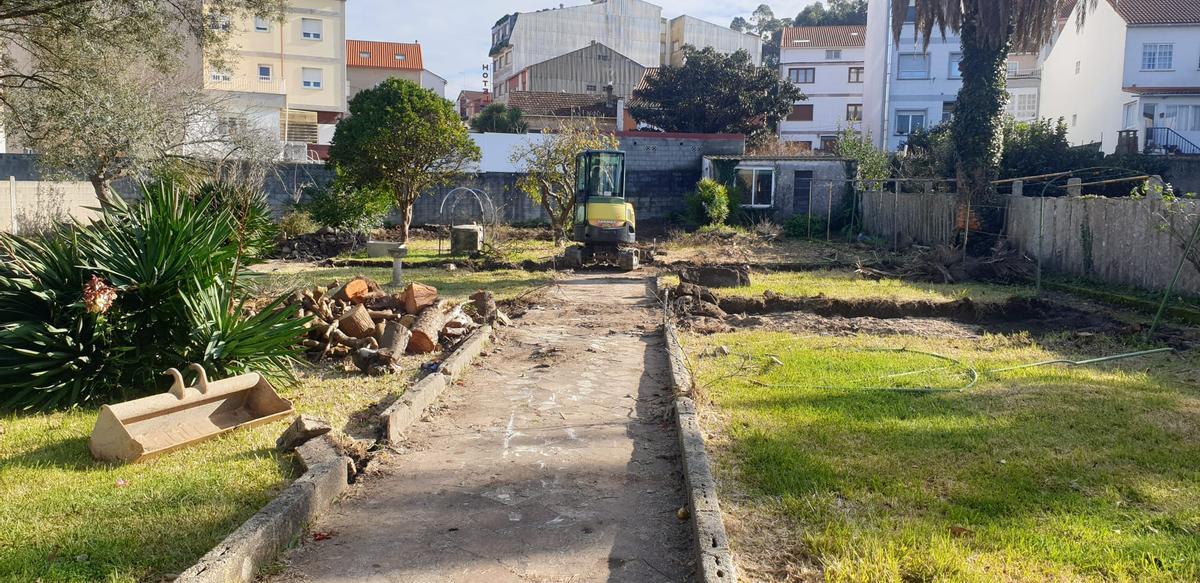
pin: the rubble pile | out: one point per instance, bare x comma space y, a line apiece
322, 244
371, 330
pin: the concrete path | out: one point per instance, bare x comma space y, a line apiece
555, 461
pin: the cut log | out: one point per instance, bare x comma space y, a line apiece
485, 305
418, 296
355, 290
339, 337
408, 320
395, 341
357, 322
427, 329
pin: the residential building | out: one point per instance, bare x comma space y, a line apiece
590, 69
470, 103
632, 28
1133, 66
546, 110
369, 63
826, 63
910, 85
285, 76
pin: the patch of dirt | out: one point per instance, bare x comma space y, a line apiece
804, 322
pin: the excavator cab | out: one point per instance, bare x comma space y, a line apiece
604, 221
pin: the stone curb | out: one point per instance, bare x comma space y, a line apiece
271, 530
398, 417
714, 559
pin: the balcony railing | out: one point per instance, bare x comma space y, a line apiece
275, 87
1035, 73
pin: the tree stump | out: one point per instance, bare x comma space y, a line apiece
357, 323
427, 329
395, 340
418, 296
485, 305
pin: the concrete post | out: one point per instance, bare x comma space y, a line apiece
1075, 187
398, 254
1018, 188
12, 204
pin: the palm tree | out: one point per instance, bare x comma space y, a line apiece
988, 29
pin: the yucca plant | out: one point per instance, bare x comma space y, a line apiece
93, 313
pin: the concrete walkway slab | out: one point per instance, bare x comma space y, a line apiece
556, 460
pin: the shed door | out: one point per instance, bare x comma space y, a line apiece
801, 191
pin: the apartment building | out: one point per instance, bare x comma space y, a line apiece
1132, 69
470, 103
632, 28
910, 86
827, 64
369, 63
286, 76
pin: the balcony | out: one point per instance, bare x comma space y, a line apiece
1032, 73
238, 85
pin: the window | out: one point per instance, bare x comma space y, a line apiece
311, 78
804, 75
910, 15
909, 120
833, 55
218, 21
400, 57
220, 75
947, 110
854, 112
1128, 121
914, 66
856, 75
230, 125
261, 24
801, 113
758, 184
1013, 68
1183, 118
590, 88
1074, 119
364, 54
264, 72
1022, 106
602, 57
955, 61
829, 143
1158, 56
310, 28
1078, 65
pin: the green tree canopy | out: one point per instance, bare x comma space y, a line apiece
836, 12
715, 93
499, 118
402, 137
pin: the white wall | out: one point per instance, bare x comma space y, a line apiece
1186, 60
630, 27
687, 30
498, 150
879, 37
1091, 100
829, 94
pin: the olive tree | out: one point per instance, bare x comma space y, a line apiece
549, 165
402, 137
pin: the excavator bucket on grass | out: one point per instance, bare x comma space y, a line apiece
137, 430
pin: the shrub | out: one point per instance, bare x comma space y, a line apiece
297, 222
343, 206
709, 205
798, 227
95, 313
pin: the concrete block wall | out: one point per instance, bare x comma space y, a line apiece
28, 206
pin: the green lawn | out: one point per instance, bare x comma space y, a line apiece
1086, 474
847, 285
66, 517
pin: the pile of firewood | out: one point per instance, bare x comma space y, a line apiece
371, 329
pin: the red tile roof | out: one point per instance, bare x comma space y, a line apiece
1158, 11
1163, 90
383, 55
799, 37
642, 83
548, 103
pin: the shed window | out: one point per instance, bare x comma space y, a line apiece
758, 186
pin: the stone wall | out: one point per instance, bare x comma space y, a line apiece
1185, 174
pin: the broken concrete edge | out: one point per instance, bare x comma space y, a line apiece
277, 525
714, 558
409, 408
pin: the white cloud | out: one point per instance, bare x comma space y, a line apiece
455, 35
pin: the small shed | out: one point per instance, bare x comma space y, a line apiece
782, 186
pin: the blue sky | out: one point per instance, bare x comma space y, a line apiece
455, 35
